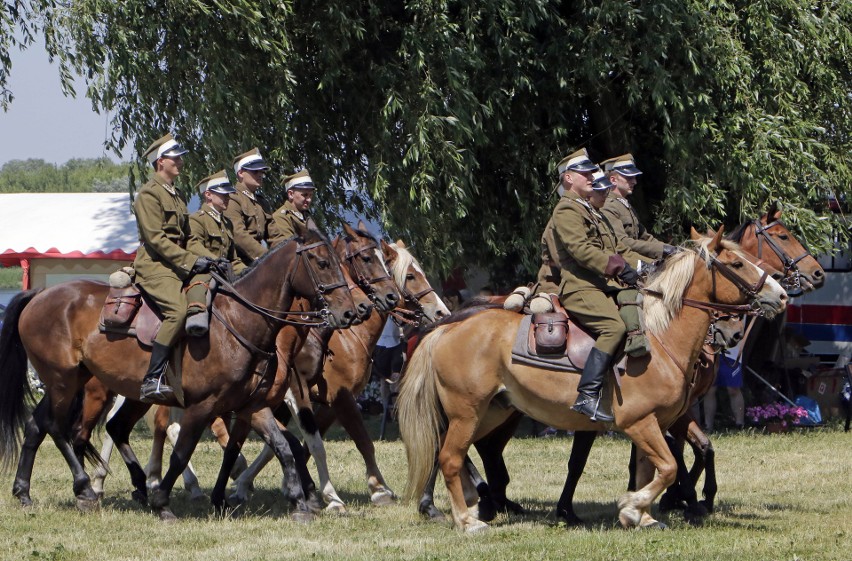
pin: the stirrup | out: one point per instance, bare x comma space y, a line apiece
590, 407
153, 390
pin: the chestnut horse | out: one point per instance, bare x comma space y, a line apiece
224, 372
338, 373
460, 367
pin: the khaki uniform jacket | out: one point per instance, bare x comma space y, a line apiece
249, 215
627, 226
212, 236
552, 260
163, 223
283, 223
588, 241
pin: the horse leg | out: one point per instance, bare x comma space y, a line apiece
580, 448
302, 413
346, 411
451, 457
195, 419
682, 493
102, 470
219, 428
705, 459
427, 499
157, 423
490, 449
634, 507
236, 438
34, 432
119, 428
190, 480
244, 484
264, 423
474, 486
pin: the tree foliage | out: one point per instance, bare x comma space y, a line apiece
451, 115
80, 175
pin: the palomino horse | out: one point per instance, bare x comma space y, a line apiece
460, 367
227, 371
346, 370
372, 285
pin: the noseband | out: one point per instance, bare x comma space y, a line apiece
359, 272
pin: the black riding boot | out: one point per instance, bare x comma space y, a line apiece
154, 387
591, 384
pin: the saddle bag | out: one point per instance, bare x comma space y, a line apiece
121, 306
551, 332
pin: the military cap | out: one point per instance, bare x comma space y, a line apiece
165, 147
600, 181
578, 161
299, 180
623, 164
251, 160
217, 182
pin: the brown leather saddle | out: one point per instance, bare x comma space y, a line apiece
128, 311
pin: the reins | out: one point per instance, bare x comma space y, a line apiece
790, 264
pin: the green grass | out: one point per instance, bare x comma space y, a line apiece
784, 497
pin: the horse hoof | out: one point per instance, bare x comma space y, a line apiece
336, 508
140, 497
159, 499
487, 512
569, 518
314, 503
26, 501
655, 525
383, 498
88, 505
197, 495
708, 506
167, 516
477, 527
303, 517
513, 508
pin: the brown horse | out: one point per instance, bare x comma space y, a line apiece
227, 371
340, 371
461, 367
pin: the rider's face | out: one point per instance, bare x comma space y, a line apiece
580, 182
623, 185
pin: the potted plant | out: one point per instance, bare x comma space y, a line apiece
776, 417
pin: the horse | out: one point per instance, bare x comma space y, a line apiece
336, 381
227, 371
372, 286
461, 366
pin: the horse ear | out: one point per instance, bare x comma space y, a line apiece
693, 233
400, 243
774, 212
389, 252
716, 242
349, 231
362, 226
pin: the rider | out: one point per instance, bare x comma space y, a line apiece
622, 172
162, 262
211, 236
300, 194
597, 268
248, 210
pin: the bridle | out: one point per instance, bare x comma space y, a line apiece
792, 276
412, 300
360, 273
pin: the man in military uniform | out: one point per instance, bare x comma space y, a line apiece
212, 236
162, 262
597, 268
300, 194
248, 211
622, 172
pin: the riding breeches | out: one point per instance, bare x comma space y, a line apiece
597, 312
167, 293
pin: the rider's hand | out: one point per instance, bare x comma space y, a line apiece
202, 265
628, 275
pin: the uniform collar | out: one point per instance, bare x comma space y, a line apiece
160, 180
214, 214
289, 207
241, 187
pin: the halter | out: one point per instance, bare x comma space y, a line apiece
790, 281
359, 272
750, 290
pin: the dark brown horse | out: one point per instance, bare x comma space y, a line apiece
227, 371
338, 372
459, 368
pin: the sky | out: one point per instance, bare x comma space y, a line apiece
43, 123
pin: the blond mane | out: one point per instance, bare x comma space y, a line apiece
401, 264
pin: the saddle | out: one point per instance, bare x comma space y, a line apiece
127, 311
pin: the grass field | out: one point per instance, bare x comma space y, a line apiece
784, 497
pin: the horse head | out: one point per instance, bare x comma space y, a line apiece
318, 276
769, 239
735, 279
418, 294
366, 264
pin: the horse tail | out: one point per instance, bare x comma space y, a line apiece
419, 413
13, 379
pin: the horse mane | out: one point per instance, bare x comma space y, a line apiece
671, 281
736, 234
401, 263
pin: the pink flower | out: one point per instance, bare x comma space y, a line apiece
777, 412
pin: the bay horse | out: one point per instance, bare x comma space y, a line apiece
56, 329
460, 367
338, 374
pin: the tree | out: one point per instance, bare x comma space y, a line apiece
80, 175
451, 115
